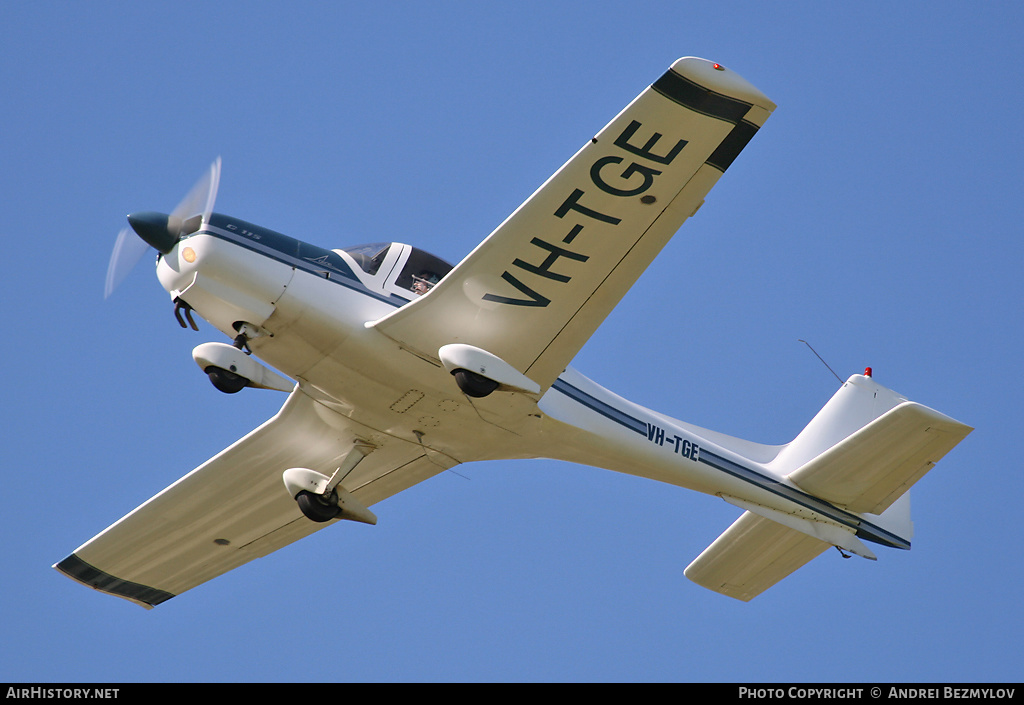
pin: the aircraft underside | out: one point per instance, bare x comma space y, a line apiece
399, 366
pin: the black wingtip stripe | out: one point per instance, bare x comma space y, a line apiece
732, 145
696, 97
77, 569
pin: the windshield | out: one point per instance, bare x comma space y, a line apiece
369, 257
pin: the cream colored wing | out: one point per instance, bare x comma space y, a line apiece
538, 287
235, 508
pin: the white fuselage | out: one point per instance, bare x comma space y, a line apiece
309, 308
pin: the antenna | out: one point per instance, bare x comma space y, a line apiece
822, 360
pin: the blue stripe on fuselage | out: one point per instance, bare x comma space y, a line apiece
865, 529
324, 264
600, 407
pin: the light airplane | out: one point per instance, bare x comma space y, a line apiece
399, 366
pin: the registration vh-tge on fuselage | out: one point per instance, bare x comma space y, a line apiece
398, 366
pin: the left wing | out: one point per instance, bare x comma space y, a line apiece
538, 287
234, 508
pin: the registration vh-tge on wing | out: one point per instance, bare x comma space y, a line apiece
399, 366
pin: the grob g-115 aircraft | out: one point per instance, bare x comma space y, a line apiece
400, 366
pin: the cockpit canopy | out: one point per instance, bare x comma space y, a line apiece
397, 267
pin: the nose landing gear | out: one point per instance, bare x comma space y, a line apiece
183, 307
229, 380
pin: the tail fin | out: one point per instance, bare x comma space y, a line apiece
861, 453
867, 446
857, 403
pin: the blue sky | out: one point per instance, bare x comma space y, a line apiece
877, 215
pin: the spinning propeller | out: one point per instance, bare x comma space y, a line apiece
162, 231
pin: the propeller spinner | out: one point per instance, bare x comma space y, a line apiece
161, 231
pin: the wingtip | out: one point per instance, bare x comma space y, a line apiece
721, 79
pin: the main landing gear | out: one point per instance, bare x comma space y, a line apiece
231, 367
317, 507
473, 384
228, 380
321, 498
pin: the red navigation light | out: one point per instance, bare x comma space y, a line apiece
718, 67
867, 371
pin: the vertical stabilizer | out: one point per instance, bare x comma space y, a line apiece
860, 454
858, 402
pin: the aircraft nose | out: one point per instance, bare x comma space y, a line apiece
156, 229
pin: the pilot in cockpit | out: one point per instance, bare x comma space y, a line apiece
423, 282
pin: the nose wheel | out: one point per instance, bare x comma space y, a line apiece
232, 368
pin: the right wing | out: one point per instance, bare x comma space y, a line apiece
234, 508
538, 287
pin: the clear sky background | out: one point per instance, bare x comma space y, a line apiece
877, 215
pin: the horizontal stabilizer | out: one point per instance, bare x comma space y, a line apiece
827, 531
858, 456
872, 467
752, 555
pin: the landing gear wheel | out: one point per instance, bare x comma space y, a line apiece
316, 508
473, 384
226, 380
